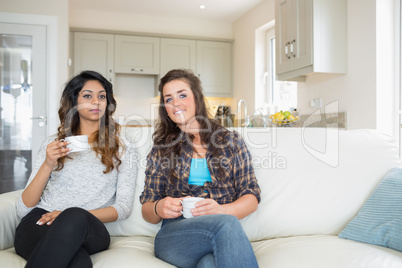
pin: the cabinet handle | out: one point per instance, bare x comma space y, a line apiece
137, 70
287, 50
292, 46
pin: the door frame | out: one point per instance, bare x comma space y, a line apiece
50, 23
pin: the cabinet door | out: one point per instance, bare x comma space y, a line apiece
136, 54
93, 51
177, 53
302, 37
283, 35
214, 67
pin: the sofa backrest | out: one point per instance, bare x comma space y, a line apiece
313, 180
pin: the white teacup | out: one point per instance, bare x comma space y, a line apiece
188, 204
78, 143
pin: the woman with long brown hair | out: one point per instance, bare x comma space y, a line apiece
195, 156
69, 195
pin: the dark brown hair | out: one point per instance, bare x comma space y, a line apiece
167, 133
107, 141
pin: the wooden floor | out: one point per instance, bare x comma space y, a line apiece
14, 173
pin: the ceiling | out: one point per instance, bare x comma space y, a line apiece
223, 10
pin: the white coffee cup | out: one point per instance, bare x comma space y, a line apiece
78, 143
188, 204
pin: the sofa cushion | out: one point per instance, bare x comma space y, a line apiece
128, 252
10, 259
379, 221
139, 138
314, 181
323, 251
8, 218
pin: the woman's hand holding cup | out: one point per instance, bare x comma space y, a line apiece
169, 208
190, 205
54, 151
207, 207
77, 143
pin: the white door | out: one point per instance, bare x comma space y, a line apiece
22, 100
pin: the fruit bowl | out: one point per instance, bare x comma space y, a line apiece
285, 122
284, 119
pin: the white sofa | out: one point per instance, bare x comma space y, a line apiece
313, 183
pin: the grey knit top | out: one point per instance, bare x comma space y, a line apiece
82, 183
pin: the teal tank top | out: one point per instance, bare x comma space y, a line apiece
199, 172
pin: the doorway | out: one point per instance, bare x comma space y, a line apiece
22, 101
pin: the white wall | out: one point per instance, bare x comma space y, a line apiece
149, 24
244, 53
366, 92
135, 98
388, 71
355, 92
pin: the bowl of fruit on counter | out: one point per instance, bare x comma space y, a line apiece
284, 119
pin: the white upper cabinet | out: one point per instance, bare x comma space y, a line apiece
177, 54
112, 54
136, 54
311, 37
214, 67
93, 51
211, 61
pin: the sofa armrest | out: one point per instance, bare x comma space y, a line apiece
8, 218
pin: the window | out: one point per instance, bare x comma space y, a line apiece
281, 95
399, 71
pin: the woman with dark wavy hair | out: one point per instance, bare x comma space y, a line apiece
194, 156
70, 195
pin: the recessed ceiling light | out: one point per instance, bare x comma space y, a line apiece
202, 6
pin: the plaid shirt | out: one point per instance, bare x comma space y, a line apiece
239, 178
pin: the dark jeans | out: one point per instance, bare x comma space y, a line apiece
67, 242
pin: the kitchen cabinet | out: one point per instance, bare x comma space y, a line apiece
93, 51
311, 37
136, 54
112, 54
214, 67
211, 61
177, 53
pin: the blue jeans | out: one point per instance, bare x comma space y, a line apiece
68, 242
204, 241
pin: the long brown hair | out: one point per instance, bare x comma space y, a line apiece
167, 134
107, 141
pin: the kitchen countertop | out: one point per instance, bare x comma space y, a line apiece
330, 120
